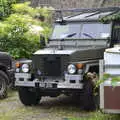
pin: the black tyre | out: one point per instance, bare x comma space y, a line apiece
28, 97
3, 84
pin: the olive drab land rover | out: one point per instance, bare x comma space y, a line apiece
69, 62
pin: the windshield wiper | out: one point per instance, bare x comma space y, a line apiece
63, 38
71, 35
88, 35
67, 36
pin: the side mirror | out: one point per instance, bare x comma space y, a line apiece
42, 41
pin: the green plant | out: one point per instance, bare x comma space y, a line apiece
112, 17
5, 7
42, 14
20, 32
113, 79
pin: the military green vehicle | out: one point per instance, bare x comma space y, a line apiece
69, 63
7, 70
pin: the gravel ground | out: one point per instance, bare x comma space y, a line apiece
60, 108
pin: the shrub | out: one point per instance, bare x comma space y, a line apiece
17, 34
5, 7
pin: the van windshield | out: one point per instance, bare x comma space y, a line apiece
82, 30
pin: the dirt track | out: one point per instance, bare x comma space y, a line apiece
60, 108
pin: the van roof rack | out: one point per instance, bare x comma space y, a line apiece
93, 11
88, 9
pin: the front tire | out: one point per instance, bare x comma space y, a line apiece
3, 84
28, 97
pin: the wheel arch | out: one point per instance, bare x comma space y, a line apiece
92, 67
4, 69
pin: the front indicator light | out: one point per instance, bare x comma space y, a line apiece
79, 65
17, 65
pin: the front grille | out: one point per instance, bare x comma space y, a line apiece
50, 65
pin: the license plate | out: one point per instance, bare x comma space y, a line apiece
42, 85
46, 85
22, 75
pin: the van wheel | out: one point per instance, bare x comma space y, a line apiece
28, 97
3, 84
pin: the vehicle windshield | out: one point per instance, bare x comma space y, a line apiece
82, 30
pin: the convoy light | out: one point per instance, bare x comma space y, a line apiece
71, 69
25, 68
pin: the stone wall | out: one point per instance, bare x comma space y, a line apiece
75, 3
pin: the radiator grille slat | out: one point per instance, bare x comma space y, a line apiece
50, 65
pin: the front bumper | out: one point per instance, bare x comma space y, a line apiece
70, 82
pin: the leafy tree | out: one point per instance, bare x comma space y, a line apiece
20, 31
5, 7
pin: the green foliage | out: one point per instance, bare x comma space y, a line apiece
105, 77
97, 115
42, 14
114, 80
19, 33
5, 7
113, 17
23, 8
15, 39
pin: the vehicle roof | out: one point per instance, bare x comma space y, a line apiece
93, 14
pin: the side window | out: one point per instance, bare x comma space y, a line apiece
116, 33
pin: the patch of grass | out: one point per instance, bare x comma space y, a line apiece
98, 116
11, 96
12, 109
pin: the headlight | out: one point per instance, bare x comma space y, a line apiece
25, 68
71, 69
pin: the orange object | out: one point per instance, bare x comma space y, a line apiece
17, 64
79, 65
